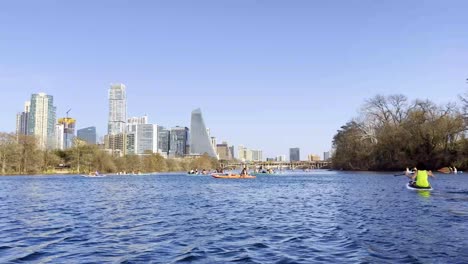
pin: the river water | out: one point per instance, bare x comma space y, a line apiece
318, 217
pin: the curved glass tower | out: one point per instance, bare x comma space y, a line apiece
200, 142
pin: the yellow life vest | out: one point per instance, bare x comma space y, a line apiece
421, 179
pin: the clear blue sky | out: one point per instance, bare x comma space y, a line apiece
267, 74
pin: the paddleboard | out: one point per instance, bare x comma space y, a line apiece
409, 187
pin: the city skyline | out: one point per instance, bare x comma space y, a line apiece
305, 71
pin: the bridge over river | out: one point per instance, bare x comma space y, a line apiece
291, 165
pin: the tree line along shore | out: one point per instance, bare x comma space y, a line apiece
391, 133
20, 155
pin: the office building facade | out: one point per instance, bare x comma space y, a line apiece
88, 135
116, 143
257, 155
42, 120
142, 139
164, 140
223, 151
178, 146
294, 154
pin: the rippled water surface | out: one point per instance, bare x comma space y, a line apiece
317, 217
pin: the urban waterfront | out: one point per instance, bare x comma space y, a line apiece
320, 216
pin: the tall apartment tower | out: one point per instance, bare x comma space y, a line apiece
22, 120
42, 119
117, 109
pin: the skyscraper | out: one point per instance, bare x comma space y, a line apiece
117, 109
41, 121
22, 120
200, 142
294, 154
88, 135
179, 142
164, 140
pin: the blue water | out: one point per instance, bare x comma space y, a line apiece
168, 218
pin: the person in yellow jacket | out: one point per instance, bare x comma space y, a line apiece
420, 177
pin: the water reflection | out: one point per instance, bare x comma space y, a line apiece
425, 194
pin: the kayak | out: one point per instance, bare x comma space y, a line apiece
232, 176
409, 186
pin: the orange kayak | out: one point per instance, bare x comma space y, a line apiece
232, 176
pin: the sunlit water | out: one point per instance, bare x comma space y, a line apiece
316, 217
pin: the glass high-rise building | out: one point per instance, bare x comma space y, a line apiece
200, 142
42, 120
22, 120
164, 140
117, 109
88, 135
179, 142
294, 154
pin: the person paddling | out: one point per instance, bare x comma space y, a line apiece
420, 177
244, 172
